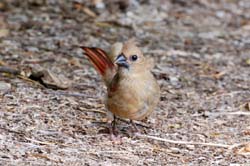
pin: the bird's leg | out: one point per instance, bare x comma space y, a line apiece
112, 128
135, 128
113, 132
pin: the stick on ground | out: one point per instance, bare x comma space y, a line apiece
188, 143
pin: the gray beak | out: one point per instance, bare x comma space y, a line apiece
121, 60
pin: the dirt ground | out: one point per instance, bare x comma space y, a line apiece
202, 54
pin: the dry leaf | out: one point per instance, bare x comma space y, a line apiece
175, 126
246, 131
53, 81
86, 10
219, 75
247, 106
75, 62
2, 63
48, 78
247, 147
248, 61
89, 12
244, 150
4, 32
215, 134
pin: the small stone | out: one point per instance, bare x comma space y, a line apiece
32, 49
175, 150
220, 14
4, 87
248, 61
247, 147
4, 32
191, 147
99, 4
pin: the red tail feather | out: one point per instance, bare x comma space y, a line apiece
99, 58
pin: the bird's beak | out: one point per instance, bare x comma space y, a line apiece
121, 60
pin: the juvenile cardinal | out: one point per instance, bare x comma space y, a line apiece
133, 92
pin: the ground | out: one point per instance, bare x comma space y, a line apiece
202, 63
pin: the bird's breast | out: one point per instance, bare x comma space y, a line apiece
133, 97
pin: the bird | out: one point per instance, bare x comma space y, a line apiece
132, 90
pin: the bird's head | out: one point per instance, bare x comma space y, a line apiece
130, 57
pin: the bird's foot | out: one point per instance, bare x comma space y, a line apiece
134, 128
114, 135
116, 139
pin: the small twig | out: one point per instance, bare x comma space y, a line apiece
39, 142
30, 139
85, 9
37, 155
187, 143
88, 118
8, 70
113, 23
60, 93
36, 61
45, 143
230, 113
228, 94
91, 110
30, 80
5, 69
168, 152
237, 113
112, 151
12, 131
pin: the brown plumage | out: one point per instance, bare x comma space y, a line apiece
133, 92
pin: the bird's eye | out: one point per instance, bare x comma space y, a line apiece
134, 57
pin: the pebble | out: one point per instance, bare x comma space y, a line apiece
4, 87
